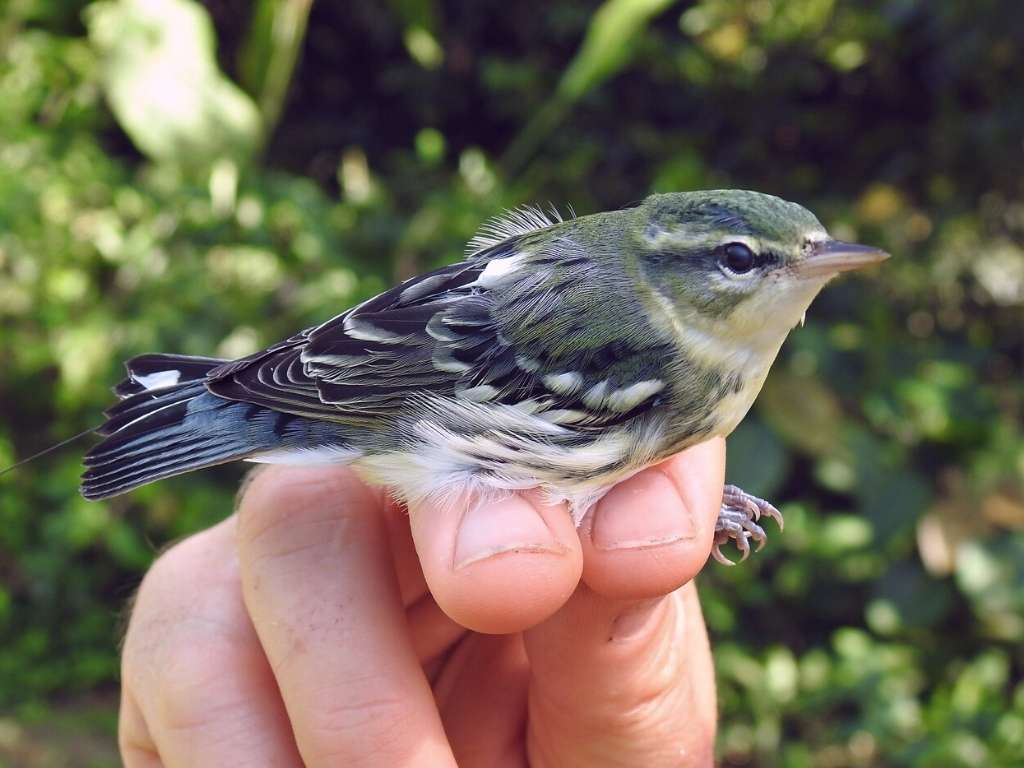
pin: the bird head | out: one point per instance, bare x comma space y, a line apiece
738, 265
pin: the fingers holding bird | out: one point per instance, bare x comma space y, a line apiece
506, 565
499, 566
196, 687
302, 628
622, 674
318, 581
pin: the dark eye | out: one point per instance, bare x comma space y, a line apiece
738, 258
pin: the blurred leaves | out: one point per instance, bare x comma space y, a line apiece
613, 30
883, 627
161, 77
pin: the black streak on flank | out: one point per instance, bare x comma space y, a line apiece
736, 382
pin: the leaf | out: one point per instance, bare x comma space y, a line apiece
606, 47
613, 29
270, 52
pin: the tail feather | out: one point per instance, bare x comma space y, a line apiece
169, 445
123, 478
149, 415
199, 432
166, 423
140, 443
133, 466
147, 373
138, 404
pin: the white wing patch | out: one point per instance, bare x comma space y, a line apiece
518, 221
565, 416
449, 364
594, 397
158, 379
479, 394
528, 364
623, 399
496, 269
563, 383
628, 398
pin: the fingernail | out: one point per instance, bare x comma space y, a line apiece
643, 511
634, 619
509, 525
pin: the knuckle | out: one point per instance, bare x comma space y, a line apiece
135, 752
197, 560
646, 708
190, 595
196, 688
176, 564
156, 608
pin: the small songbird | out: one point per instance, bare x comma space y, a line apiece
565, 355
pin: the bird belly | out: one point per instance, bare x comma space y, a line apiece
444, 461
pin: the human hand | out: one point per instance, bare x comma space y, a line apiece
322, 625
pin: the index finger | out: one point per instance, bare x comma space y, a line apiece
506, 565
318, 582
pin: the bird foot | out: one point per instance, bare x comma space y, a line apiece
738, 522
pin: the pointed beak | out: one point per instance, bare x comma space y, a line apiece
830, 257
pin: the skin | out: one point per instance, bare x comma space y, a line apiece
322, 625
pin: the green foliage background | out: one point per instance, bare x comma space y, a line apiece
207, 181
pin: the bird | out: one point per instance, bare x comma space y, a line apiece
565, 354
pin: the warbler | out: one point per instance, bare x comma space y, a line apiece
561, 354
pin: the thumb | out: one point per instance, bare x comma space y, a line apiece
622, 683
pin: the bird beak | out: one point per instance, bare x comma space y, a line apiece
830, 257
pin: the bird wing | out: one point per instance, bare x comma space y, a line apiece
501, 328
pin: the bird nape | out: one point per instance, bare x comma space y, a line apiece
565, 355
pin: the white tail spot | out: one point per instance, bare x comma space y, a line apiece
158, 380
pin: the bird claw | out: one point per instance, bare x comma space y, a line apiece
738, 522
717, 554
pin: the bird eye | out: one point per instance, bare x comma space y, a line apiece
738, 258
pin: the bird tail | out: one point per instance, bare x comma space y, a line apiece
168, 423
